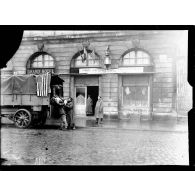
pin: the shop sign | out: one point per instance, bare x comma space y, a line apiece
40, 70
131, 70
91, 71
110, 71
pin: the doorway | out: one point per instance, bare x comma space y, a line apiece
80, 103
81, 95
93, 92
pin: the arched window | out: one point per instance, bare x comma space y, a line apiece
88, 58
42, 60
136, 57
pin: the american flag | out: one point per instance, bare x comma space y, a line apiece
93, 56
84, 56
43, 84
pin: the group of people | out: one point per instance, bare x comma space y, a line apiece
65, 109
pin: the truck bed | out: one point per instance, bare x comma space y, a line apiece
21, 90
23, 100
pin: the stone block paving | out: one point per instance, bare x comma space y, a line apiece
86, 146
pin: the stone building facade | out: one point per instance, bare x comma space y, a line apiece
147, 77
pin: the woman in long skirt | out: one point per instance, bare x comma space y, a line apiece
89, 109
99, 110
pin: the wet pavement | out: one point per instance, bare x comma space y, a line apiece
95, 145
135, 124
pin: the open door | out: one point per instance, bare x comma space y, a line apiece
81, 95
93, 92
80, 101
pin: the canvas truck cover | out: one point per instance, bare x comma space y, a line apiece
19, 84
29, 84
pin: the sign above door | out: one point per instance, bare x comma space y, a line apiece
121, 70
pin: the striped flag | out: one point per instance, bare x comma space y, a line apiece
39, 82
84, 56
43, 84
93, 56
37, 87
46, 79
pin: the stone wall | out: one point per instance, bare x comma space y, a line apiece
164, 88
110, 95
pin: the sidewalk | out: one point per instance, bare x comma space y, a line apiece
154, 125
89, 122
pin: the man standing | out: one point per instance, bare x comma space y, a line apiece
99, 110
59, 104
70, 113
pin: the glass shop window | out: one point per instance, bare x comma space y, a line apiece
135, 91
135, 96
42, 61
136, 57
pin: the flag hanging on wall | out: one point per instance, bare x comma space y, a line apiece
93, 56
84, 56
43, 84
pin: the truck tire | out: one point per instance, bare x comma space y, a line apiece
22, 118
42, 118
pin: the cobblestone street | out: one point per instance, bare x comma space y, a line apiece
93, 146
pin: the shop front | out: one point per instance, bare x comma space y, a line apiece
135, 84
85, 81
86, 91
135, 96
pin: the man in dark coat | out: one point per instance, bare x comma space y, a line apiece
59, 104
69, 108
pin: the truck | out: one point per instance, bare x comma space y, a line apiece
25, 99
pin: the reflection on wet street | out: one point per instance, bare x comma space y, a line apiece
92, 146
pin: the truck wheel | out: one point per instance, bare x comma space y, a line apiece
42, 120
22, 118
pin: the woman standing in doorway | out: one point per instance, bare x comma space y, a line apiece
99, 110
89, 109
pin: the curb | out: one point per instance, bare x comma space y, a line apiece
98, 128
131, 129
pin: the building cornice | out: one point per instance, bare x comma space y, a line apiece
71, 35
